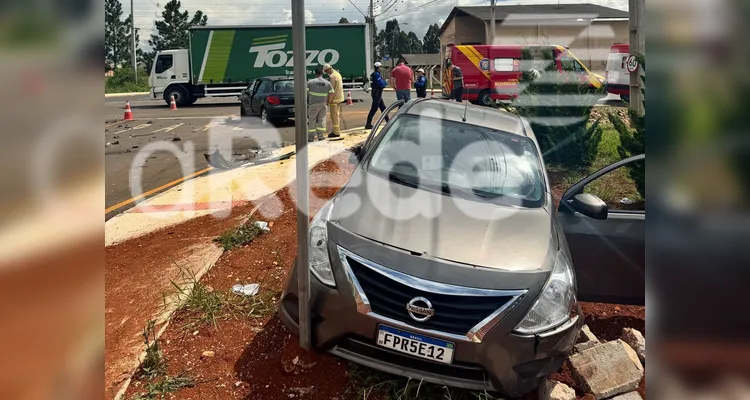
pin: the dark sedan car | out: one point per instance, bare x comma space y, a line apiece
271, 98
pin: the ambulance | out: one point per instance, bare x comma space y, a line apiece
492, 72
617, 75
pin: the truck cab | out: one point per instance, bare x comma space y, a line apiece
170, 76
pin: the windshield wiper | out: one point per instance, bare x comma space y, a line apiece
400, 179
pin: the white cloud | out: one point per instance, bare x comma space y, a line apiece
286, 17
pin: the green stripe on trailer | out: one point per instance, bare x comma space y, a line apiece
220, 47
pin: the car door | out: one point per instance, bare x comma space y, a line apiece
607, 244
260, 95
247, 94
163, 71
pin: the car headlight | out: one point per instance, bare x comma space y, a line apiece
554, 304
320, 263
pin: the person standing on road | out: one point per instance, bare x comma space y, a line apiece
377, 83
420, 84
401, 79
458, 82
319, 95
338, 97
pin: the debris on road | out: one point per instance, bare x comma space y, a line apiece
628, 396
247, 290
608, 369
586, 340
207, 354
135, 146
554, 390
263, 226
636, 340
176, 139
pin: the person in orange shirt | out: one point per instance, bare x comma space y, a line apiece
338, 97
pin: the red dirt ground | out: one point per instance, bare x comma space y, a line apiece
254, 357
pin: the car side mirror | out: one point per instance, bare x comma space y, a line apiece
590, 206
356, 155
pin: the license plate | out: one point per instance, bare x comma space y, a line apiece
415, 345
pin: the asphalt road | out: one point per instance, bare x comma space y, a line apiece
158, 135
190, 132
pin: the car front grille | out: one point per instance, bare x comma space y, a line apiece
455, 314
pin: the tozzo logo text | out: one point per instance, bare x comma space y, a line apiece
274, 55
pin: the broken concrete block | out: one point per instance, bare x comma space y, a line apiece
628, 396
554, 390
608, 369
636, 340
581, 347
585, 335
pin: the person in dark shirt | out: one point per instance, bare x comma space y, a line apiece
421, 83
458, 82
377, 84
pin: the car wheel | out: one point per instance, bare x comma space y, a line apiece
485, 99
242, 110
625, 98
180, 96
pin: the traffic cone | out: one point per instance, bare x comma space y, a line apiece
127, 105
349, 98
128, 113
172, 104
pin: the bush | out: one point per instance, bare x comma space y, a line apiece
124, 81
557, 106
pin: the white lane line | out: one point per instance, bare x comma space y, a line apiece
169, 128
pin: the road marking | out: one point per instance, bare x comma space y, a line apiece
169, 128
208, 205
152, 191
210, 125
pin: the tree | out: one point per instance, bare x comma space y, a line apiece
173, 29
129, 48
343, 20
415, 45
116, 36
431, 40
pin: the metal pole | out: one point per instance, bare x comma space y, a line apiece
637, 46
372, 29
132, 37
303, 185
492, 21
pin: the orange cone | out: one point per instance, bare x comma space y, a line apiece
127, 105
128, 113
172, 104
349, 98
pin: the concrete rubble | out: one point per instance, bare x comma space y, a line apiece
636, 340
628, 396
553, 390
607, 369
586, 340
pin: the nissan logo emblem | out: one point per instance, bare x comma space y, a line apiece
420, 309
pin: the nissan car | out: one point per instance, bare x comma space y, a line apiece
445, 259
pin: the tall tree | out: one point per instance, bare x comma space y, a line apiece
415, 45
129, 48
389, 38
343, 20
173, 29
116, 36
431, 41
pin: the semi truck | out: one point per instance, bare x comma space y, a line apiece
221, 61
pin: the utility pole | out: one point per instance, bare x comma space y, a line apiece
299, 49
132, 39
492, 22
637, 47
372, 29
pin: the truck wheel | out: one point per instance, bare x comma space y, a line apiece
180, 96
485, 99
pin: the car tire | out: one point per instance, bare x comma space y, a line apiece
625, 98
180, 96
485, 99
243, 113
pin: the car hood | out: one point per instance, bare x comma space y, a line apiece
434, 224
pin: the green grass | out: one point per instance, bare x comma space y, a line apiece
238, 237
153, 370
369, 384
157, 389
153, 364
206, 306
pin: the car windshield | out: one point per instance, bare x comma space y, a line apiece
283, 86
460, 160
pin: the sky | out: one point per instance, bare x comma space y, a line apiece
269, 12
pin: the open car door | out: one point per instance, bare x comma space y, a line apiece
606, 240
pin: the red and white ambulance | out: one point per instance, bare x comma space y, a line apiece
493, 72
617, 75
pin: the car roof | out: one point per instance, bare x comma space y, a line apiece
278, 78
475, 115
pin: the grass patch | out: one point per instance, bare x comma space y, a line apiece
239, 236
153, 370
204, 305
369, 384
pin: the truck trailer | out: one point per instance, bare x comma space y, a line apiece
221, 61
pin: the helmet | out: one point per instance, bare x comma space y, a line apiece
420, 70
377, 64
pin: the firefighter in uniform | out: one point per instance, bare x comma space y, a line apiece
338, 97
319, 95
